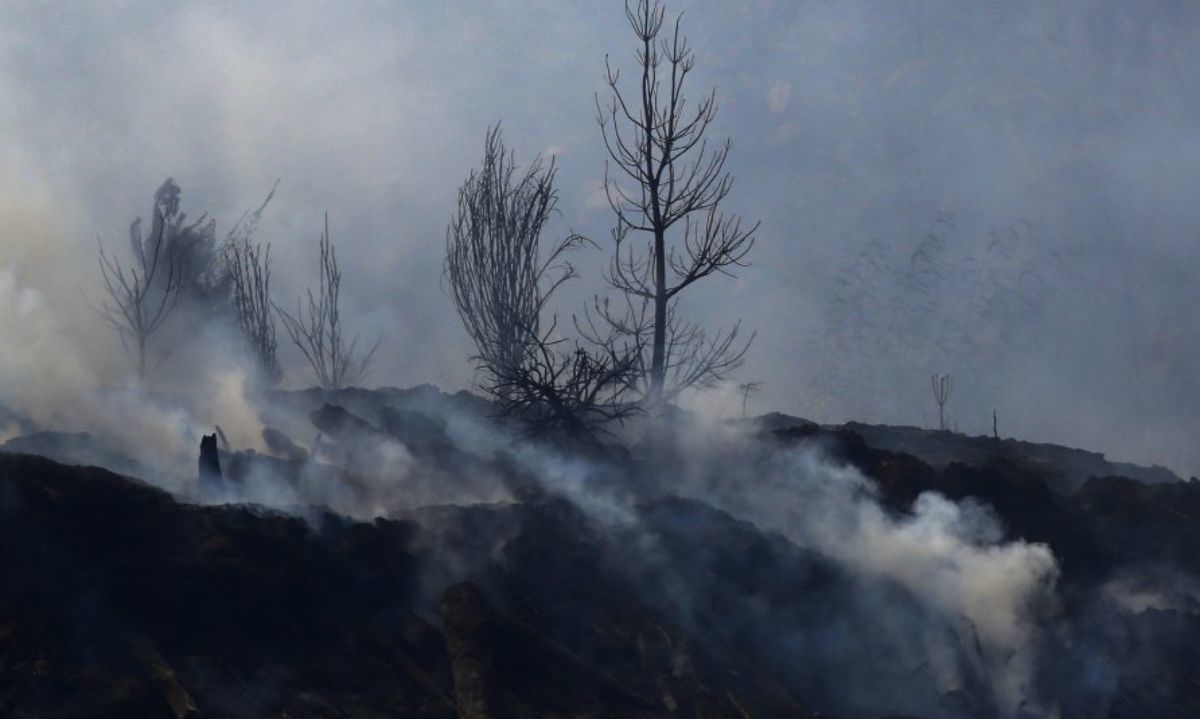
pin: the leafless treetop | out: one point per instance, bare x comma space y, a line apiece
316, 328
496, 273
139, 298
657, 144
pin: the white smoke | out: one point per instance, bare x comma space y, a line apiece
949, 554
51, 377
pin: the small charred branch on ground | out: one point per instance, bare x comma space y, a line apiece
283, 446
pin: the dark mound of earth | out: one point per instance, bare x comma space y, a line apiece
117, 600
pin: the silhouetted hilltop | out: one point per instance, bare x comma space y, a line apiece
630, 593
1065, 468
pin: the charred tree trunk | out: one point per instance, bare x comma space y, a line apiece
210, 464
663, 173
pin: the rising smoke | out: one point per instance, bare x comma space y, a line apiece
1065, 129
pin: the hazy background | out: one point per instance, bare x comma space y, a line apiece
852, 122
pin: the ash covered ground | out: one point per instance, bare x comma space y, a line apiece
408, 553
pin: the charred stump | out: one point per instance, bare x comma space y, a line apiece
210, 463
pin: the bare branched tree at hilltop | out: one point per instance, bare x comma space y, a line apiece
194, 251
249, 266
664, 179
497, 275
942, 386
317, 330
140, 297
501, 282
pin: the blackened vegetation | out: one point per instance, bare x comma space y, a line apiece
317, 330
140, 297
575, 392
116, 600
496, 271
249, 266
501, 283
942, 386
177, 269
129, 604
664, 176
636, 352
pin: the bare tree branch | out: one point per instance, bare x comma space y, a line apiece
942, 386
140, 297
249, 268
501, 283
578, 392
316, 328
691, 358
495, 273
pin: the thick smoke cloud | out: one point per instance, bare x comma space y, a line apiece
951, 556
852, 122
950, 605
856, 125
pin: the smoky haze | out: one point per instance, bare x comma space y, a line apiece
855, 125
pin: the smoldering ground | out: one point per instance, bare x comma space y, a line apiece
856, 125
952, 603
860, 606
863, 597
852, 123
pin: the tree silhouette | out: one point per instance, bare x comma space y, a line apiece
249, 267
576, 392
140, 297
672, 178
316, 328
495, 270
501, 283
942, 387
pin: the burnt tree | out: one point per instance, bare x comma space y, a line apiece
248, 265
210, 477
317, 330
495, 269
669, 184
942, 387
140, 297
576, 392
501, 282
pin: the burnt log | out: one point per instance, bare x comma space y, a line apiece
283, 446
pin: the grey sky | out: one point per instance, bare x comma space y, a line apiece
851, 121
